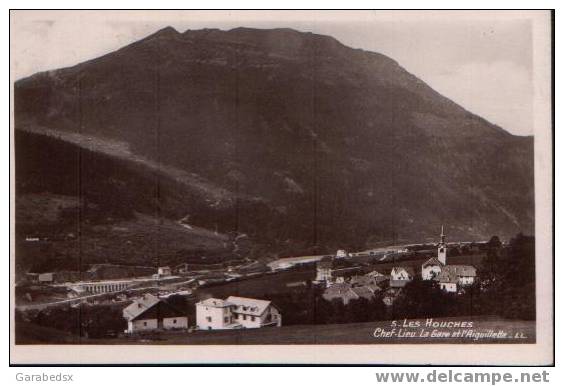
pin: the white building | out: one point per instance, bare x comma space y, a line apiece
236, 312
341, 254
151, 313
214, 314
401, 273
400, 276
45, 277
431, 268
164, 271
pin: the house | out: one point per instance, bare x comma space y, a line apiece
402, 273
45, 277
341, 275
164, 271
466, 274
32, 277
236, 312
215, 314
341, 254
454, 276
431, 268
400, 276
447, 281
151, 313
255, 313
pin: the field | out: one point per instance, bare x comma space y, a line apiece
355, 333
258, 286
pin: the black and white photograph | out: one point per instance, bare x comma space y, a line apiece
376, 181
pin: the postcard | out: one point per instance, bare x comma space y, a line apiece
281, 187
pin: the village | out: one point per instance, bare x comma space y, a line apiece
144, 297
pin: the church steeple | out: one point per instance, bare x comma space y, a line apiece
442, 249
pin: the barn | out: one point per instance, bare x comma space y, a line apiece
151, 313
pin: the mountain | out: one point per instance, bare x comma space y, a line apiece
292, 138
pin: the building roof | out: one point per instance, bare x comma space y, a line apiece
346, 292
215, 302
139, 306
363, 292
446, 277
374, 287
249, 306
409, 270
150, 307
342, 291
460, 270
338, 289
432, 261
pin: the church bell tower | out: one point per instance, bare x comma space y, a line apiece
442, 249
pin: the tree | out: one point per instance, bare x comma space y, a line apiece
494, 243
422, 298
508, 279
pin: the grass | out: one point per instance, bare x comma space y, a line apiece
258, 286
141, 240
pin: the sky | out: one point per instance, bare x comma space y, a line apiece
481, 60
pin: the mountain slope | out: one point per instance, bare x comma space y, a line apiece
312, 142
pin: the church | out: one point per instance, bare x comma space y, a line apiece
451, 277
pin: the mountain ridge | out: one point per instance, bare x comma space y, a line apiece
324, 145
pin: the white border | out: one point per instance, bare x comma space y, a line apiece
540, 353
